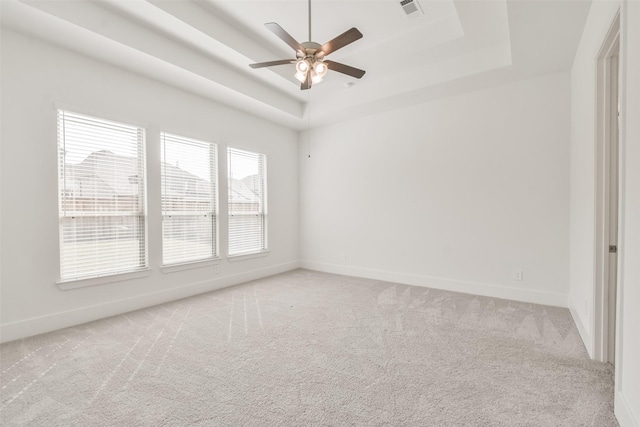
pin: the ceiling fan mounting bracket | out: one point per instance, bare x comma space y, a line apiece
311, 45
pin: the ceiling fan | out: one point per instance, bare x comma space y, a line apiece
311, 65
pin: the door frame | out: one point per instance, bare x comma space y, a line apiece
604, 133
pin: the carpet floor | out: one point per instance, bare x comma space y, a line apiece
307, 348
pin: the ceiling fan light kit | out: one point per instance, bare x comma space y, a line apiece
311, 66
315, 67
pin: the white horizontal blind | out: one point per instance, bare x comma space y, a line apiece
247, 202
101, 186
189, 196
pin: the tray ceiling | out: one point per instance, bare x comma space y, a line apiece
205, 47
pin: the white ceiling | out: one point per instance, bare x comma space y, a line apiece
205, 47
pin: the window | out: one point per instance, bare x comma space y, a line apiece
189, 200
102, 209
247, 202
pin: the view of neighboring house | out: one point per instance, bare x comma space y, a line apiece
102, 182
105, 185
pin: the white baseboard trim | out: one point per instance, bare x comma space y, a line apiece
38, 325
475, 288
624, 412
585, 333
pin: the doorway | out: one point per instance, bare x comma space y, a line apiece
607, 195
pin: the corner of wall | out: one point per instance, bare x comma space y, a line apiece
623, 412
583, 329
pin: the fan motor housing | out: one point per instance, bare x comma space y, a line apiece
310, 50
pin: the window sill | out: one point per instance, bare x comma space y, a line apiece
242, 257
94, 281
172, 268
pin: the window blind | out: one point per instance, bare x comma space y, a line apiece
102, 209
189, 199
247, 202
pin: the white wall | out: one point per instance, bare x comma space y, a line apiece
583, 172
628, 352
456, 194
583, 147
36, 77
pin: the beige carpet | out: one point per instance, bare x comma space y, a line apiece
307, 348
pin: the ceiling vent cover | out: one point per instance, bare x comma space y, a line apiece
412, 8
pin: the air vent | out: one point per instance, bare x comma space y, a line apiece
411, 8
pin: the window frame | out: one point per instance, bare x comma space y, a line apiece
96, 277
239, 256
214, 173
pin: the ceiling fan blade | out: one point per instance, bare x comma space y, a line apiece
307, 82
272, 63
341, 41
284, 36
345, 69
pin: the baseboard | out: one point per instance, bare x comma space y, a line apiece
476, 288
624, 412
38, 325
582, 330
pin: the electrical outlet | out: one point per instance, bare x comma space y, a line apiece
342, 256
216, 269
517, 275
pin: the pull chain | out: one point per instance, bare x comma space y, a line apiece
309, 125
309, 97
